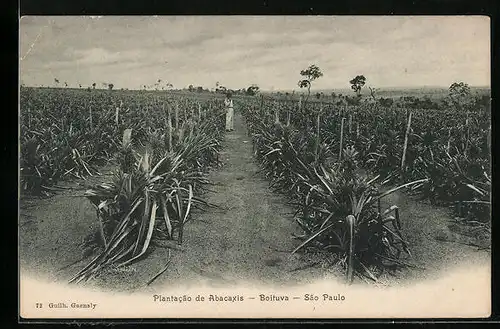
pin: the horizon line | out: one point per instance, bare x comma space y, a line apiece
275, 90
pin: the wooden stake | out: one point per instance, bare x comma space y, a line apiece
403, 157
181, 133
468, 133
176, 116
398, 221
350, 123
350, 266
169, 131
317, 134
357, 130
449, 141
341, 137
90, 111
127, 137
117, 111
379, 216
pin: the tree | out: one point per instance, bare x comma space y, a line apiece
56, 81
310, 74
110, 86
373, 91
357, 83
199, 89
191, 88
252, 90
459, 94
93, 85
459, 89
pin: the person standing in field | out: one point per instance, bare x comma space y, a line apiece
228, 103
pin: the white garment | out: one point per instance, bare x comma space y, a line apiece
229, 118
229, 114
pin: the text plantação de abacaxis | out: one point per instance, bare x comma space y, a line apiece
198, 298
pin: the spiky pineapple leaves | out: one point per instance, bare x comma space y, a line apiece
337, 207
151, 197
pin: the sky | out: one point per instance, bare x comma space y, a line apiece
270, 51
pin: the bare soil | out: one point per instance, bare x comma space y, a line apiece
248, 238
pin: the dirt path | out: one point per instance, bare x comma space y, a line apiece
437, 243
248, 239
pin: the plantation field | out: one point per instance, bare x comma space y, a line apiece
435, 93
130, 190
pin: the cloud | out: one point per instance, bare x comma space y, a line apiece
100, 56
267, 50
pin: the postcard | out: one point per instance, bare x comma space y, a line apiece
258, 167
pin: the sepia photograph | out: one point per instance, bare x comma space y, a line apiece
254, 167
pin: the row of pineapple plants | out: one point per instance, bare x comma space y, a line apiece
450, 147
338, 206
67, 134
161, 179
